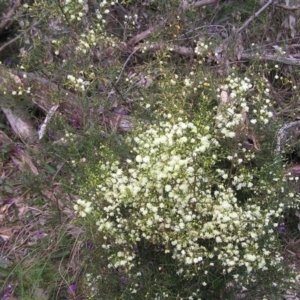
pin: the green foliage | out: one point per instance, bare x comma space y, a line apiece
186, 202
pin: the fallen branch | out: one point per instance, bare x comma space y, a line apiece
144, 34
281, 133
280, 59
186, 51
42, 91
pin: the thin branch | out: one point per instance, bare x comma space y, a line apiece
11, 41
141, 36
285, 60
255, 16
43, 127
292, 8
186, 51
124, 65
137, 38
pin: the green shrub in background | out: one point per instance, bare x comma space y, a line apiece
194, 194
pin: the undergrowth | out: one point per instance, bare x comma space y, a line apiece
160, 173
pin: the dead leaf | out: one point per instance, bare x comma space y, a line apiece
23, 210
4, 237
5, 207
6, 232
21, 127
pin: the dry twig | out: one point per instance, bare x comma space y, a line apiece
292, 8
137, 38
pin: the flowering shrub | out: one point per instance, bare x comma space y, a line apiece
191, 200
196, 192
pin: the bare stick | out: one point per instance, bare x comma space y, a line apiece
288, 7
254, 16
50, 114
124, 65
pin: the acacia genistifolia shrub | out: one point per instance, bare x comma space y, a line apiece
194, 209
191, 205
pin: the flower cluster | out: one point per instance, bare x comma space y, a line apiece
83, 207
236, 112
21, 90
76, 10
77, 83
201, 48
173, 193
234, 107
